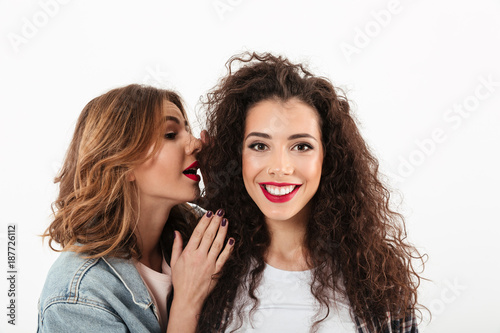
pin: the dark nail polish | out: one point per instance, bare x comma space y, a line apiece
224, 222
220, 212
231, 241
209, 213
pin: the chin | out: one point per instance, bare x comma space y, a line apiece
277, 215
194, 196
185, 196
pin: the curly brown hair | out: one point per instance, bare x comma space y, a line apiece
96, 211
356, 243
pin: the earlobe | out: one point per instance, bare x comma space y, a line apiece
130, 176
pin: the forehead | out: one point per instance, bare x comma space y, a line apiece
274, 117
170, 109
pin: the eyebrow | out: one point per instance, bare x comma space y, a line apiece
291, 137
258, 134
175, 119
301, 135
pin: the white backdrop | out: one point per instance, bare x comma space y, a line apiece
424, 78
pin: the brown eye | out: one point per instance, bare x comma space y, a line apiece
258, 146
302, 147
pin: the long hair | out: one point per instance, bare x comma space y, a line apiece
96, 211
355, 242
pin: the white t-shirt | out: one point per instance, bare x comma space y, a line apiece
159, 286
287, 305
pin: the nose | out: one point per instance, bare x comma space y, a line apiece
280, 165
193, 145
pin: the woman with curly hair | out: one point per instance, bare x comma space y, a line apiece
121, 218
317, 246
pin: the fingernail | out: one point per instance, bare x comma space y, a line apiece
209, 213
220, 212
231, 241
224, 221
174, 234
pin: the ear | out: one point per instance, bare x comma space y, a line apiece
205, 139
204, 136
130, 176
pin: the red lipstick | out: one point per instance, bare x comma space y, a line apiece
279, 198
190, 171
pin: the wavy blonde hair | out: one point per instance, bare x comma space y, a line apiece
97, 211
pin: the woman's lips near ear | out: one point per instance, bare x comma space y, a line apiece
190, 171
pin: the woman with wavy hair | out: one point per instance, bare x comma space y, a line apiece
318, 247
121, 218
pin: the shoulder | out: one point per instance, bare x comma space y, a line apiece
66, 275
405, 325
391, 325
97, 282
100, 295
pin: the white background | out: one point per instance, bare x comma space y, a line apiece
408, 66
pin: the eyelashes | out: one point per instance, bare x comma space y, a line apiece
302, 147
173, 129
258, 146
170, 135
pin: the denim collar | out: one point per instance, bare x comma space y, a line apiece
128, 274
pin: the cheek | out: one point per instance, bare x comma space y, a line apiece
250, 169
171, 158
246, 171
248, 166
312, 168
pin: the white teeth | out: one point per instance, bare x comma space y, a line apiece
279, 190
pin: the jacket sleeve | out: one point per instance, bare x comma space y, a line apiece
78, 317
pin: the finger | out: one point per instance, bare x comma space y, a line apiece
211, 232
224, 255
176, 248
199, 231
218, 241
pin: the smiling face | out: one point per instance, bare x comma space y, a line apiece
282, 157
170, 176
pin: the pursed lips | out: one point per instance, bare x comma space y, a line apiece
191, 170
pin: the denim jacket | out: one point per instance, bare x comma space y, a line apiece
95, 295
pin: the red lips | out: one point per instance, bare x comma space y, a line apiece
280, 198
279, 184
190, 171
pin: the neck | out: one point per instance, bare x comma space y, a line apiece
287, 250
152, 219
